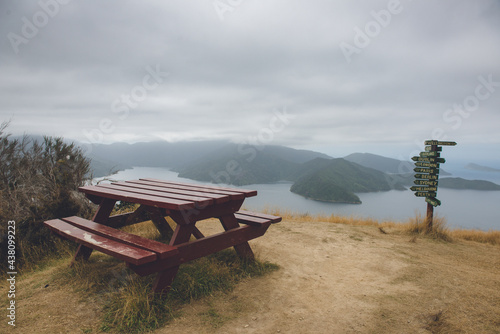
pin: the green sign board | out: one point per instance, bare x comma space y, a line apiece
427, 170
426, 176
447, 143
427, 164
422, 188
436, 149
440, 143
433, 201
429, 159
429, 154
425, 183
424, 194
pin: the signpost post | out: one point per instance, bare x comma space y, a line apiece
427, 167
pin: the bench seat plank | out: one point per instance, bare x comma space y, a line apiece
163, 250
253, 218
102, 244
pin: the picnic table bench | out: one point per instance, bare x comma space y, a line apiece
185, 203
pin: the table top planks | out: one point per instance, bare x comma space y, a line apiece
165, 194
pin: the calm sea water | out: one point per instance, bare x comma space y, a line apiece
461, 208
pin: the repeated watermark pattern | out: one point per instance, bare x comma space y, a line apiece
381, 19
254, 143
12, 272
226, 6
453, 117
248, 150
30, 27
460, 111
122, 106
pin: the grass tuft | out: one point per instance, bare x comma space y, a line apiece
418, 226
128, 305
415, 226
489, 237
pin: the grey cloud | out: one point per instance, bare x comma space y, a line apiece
227, 76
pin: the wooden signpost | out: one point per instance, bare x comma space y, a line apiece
427, 166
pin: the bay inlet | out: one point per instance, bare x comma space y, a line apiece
469, 209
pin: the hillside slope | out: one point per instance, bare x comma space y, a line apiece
243, 165
337, 180
459, 183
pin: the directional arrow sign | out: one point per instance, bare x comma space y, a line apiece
415, 188
447, 143
427, 164
433, 201
436, 149
440, 143
426, 176
426, 170
429, 154
424, 194
425, 183
429, 159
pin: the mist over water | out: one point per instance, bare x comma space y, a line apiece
461, 208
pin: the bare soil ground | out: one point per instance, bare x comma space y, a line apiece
332, 279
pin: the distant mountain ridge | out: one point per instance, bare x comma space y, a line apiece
314, 175
463, 184
321, 178
244, 164
473, 166
380, 163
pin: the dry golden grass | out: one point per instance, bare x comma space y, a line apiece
414, 226
390, 285
489, 237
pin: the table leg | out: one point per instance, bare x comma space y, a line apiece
164, 279
161, 224
101, 216
243, 250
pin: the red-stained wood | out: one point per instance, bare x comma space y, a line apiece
243, 214
229, 195
217, 242
218, 198
193, 250
243, 249
106, 205
255, 219
160, 223
160, 248
215, 189
130, 218
122, 251
167, 203
163, 281
105, 208
158, 194
193, 215
165, 278
186, 204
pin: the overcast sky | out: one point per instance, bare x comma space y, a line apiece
334, 76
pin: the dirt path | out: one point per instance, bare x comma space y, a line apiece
332, 279
347, 279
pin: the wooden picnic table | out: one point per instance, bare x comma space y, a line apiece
185, 203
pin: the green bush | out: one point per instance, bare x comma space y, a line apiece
38, 181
